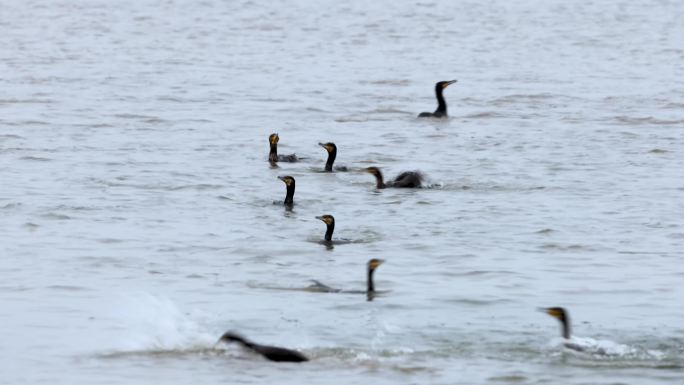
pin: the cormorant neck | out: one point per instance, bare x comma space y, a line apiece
441, 103
329, 232
243, 341
289, 197
371, 285
380, 183
331, 158
273, 155
565, 322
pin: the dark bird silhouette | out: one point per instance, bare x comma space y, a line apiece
332, 154
272, 353
290, 184
562, 316
441, 111
329, 221
370, 291
273, 156
409, 179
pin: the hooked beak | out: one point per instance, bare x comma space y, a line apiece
319, 218
450, 83
282, 178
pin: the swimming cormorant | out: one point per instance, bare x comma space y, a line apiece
405, 179
562, 316
290, 183
370, 285
329, 221
441, 111
332, 154
372, 265
272, 353
273, 154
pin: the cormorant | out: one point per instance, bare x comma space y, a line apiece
441, 111
272, 353
562, 316
370, 285
332, 154
273, 154
329, 221
405, 179
372, 265
290, 183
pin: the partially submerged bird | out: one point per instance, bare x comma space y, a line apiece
273, 154
272, 353
290, 184
370, 291
329, 221
331, 148
405, 179
441, 111
562, 316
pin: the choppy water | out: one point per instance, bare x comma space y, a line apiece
137, 209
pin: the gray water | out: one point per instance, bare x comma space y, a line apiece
137, 213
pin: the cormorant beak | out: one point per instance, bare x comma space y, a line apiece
282, 178
447, 84
553, 313
320, 218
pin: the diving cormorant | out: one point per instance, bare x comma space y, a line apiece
405, 179
290, 184
273, 154
441, 111
272, 353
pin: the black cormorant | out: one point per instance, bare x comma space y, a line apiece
332, 154
370, 285
329, 221
562, 316
441, 111
405, 179
272, 353
290, 183
273, 154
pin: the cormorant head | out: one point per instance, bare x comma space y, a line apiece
556, 312
328, 219
230, 337
289, 181
330, 146
373, 170
374, 263
273, 139
444, 84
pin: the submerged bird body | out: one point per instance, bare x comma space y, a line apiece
441, 111
331, 148
290, 184
407, 179
272, 353
273, 156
